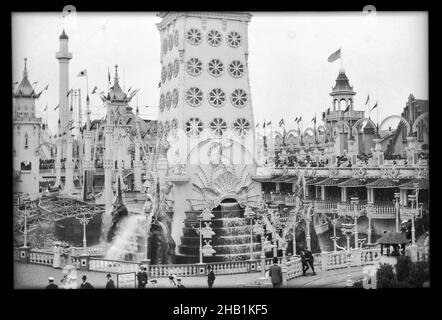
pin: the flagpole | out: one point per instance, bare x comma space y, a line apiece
377, 116
341, 58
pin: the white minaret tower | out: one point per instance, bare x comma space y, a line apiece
65, 115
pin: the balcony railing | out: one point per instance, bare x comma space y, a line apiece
348, 209
380, 211
290, 200
406, 213
325, 206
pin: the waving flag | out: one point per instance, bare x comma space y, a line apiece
334, 56
94, 89
314, 119
46, 108
296, 119
281, 122
269, 123
56, 107
375, 106
299, 120
69, 92
368, 99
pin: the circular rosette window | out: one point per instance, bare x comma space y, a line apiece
194, 127
194, 36
194, 96
241, 127
217, 97
168, 100
175, 97
236, 69
214, 38
194, 66
238, 98
234, 39
162, 102
218, 126
215, 67
176, 67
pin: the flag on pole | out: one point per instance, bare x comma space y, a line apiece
69, 92
56, 107
264, 124
46, 88
368, 99
82, 73
375, 106
323, 115
328, 111
46, 108
299, 120
94, 89
296, 119
334, 56
35, 82
314, 119
257, 124
108, 76
281, 122
269, 123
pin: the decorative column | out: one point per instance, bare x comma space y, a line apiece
344, 194
69, 165
108, 167
396, 207
58, 162
87, 150
137, 166
378, 154
323, 193
354, 203
369, 229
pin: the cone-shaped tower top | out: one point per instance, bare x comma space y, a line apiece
116, 93
25, 87
63, 35
342, 82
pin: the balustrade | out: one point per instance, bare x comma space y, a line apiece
348, 209
114, 266
381, 211
325, 206
41, 257
290, 200
277, 198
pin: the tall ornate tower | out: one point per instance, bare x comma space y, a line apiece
205, 111
65, 139
26, 139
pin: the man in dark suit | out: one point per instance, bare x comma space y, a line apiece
275, 273
85, 284
142, 278
110, 283
210, 277
51, 284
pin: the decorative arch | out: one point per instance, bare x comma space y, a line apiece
360, 121
321, 127
402, 119
293, 132
309, 129
418, 119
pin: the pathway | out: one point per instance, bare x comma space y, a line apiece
32, 276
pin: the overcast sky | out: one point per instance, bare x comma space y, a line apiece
385, 56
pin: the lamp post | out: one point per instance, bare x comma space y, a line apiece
396, 206
334, 238
84, 220
354, 202
294, 225
307, 217
347, 229
198, 231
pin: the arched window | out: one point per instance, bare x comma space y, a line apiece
342, 104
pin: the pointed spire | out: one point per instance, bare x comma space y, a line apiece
116, 74
25, 71
64, 35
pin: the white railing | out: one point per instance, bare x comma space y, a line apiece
92, 251
294, 268
325, 205
114, 266
41, 257
407, 212
290, 199
182, 270
348, 209
231, 267
381, 211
